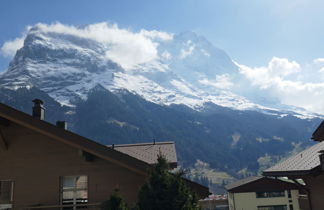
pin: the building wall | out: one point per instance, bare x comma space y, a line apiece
316, 186
230, 197
303, 202
249, 201
35, 163
212, 204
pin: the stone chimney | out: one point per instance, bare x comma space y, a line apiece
321, 157
61, 124
38, 109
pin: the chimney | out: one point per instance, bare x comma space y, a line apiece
61, 124
321, 157
38, 109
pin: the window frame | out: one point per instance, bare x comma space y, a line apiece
74, 190
11, 193
270, 194
272, 207
289, 193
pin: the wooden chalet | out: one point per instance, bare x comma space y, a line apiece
262, 193
43, 166
306, 169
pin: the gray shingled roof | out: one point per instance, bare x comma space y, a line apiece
302, 163
148, 152
259, 184
242, 182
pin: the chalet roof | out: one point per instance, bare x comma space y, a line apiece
241, 182
202, 191
148, 152
259, 184
73, 139
318, 134
303, 163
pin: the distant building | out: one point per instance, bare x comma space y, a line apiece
43, 166
306, 168
214, 202
262, 193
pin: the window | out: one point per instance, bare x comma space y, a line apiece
74, 190
270, 194
289, 193
291, 207
6, 194
277, 207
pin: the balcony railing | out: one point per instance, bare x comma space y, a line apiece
91, 206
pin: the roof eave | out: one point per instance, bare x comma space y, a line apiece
231, 187
202, 191
297, 173
316, 136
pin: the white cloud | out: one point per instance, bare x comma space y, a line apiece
189, 48
275, 73
154, 34
321, 70
222, 81
127, 48
166, 55
10, 48
318, 60
286, 80
318, 64
283, 67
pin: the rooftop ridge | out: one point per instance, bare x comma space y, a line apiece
141, 144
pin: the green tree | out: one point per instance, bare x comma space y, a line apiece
115, 202
164, 190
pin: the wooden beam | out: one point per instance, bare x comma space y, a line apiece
3, 142
4, 122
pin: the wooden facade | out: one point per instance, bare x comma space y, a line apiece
257, 192
37, 157
35, 164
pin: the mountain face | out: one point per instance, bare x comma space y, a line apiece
171, 98
189, 70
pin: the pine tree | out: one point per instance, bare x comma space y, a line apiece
115, 202
164, 190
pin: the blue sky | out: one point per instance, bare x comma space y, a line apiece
251, 32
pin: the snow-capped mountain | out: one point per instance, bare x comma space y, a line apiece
187, 69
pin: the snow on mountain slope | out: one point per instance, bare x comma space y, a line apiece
179, 69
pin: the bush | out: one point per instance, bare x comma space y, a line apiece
115, 202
